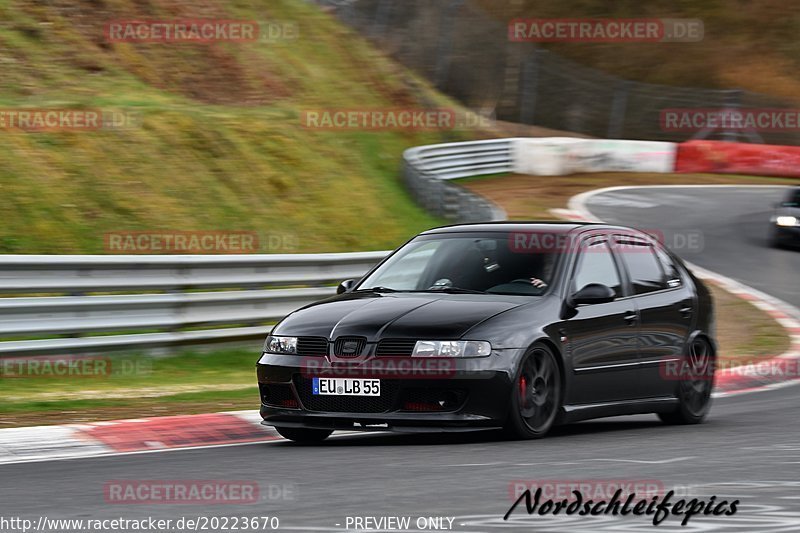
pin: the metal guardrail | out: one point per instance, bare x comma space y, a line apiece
26, 274
195, 303
178, 317
429, 169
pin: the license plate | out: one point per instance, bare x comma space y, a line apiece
346, 387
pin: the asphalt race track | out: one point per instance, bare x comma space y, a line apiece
748, 450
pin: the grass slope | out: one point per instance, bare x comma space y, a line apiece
219, 143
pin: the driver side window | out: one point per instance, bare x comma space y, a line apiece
596, 265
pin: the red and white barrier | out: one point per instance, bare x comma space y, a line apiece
46, 443
721, 157
561, 156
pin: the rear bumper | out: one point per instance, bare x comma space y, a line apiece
474, 395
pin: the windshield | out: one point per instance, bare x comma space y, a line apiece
793, 200
456, 263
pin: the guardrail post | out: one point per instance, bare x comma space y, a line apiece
445, 40
530, 82
382, 15
619, 104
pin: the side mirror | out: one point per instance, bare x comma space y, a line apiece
345, 286
593, 293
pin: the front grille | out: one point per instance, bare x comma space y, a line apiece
312, 346
349, 346
278, 395
395, 347
347, 404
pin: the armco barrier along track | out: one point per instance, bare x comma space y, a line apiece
198, 305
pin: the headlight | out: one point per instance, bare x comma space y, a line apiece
786, 221
281, 345
451, 349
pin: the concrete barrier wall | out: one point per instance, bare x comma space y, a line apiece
559, 156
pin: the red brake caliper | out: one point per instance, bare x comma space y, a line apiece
523, 387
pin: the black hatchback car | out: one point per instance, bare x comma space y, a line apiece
496, 325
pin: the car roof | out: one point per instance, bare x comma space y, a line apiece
521, 225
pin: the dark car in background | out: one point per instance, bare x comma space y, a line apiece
785, 222
513, 325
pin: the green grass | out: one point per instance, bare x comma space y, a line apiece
137, 381
218, 143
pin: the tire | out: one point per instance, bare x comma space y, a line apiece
304, 435
536, 395
694, 389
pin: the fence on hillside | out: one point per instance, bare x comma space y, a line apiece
466, 53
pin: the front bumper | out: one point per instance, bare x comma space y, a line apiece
789, 235
470, 394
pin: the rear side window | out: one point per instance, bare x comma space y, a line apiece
644, 268
596, 265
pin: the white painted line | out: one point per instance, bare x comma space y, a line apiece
103, 455
474, 464
38, 443
645, 462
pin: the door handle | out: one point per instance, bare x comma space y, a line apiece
630, 317
686, 312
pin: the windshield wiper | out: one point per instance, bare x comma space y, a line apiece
378, 289
450, 290
455, 290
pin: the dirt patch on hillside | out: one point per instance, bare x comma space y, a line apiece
218, 72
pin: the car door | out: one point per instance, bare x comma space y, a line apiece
666, 305
600, 338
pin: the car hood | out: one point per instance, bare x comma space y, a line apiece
786, 210
379, 316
